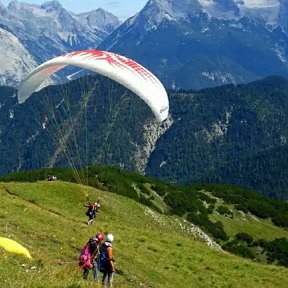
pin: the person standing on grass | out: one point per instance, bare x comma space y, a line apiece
106, 263
89, 254
91, 212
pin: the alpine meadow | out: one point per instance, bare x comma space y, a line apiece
144, 152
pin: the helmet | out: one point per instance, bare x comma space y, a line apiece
110, 238
100, 237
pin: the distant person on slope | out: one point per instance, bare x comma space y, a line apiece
51, 178
91, 212
106, 261
88, 257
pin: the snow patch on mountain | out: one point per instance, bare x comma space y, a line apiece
156, 12
271, 12
263, 10
220, 9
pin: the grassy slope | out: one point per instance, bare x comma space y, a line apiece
245, 222
48, 218
256, 227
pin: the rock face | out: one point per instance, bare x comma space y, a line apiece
49, 30
152, 132
99, 20
18, 62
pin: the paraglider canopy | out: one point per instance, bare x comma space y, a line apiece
12, 246
119, 68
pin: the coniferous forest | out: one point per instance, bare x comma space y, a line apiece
234, 134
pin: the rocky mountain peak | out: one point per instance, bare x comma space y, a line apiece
16, 6
223, 8
175, 9
156, 11
183, 8
52, 6
100, 19
272, 13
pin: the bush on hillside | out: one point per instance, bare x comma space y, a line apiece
260, 208
260, 243
142, 187
206, 198
215, 229
182, 201
249, 201
210, 208
145, 201
277, 251
239, 249
224, 210
241, 207
280, 219
245, 237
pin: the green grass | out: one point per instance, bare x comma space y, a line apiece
246, 222
258, 228
151, 249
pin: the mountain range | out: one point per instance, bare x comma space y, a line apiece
201, 43
214, 137
214, 42
36, 33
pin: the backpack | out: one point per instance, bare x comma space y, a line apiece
102, 262
85, 257
89, 211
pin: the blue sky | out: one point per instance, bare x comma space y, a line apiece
121, 8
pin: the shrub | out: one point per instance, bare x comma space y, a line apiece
280, 219
145, 201
260, 208
224, 210
215, 229
261, 243
206, 198
239, 249
277, 251
245, 237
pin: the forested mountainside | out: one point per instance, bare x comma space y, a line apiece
233, 134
